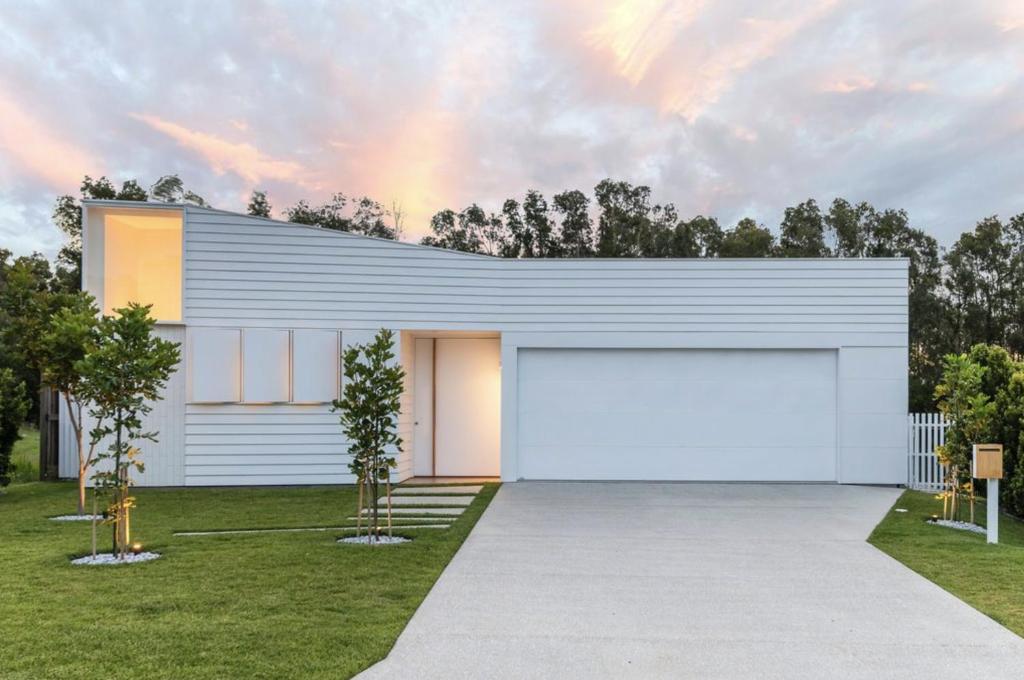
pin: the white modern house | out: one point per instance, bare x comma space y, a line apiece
592, 369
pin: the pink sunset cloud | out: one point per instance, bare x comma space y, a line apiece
729, 109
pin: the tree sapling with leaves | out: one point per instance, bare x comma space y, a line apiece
121, 377
968, 410
71, 335
369, 407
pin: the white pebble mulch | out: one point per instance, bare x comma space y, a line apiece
381, 540
76, 518
962, 526
111, 559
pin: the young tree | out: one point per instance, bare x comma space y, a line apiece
121, 377
258, 206
14, 405
71, 334
968, 410
369, 408
1003, 383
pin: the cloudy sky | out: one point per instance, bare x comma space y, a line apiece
724, 108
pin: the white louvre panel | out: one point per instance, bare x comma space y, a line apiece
315, 362
214, 358
265, 365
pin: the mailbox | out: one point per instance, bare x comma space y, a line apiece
987, 462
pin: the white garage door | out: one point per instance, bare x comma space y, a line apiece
744, 415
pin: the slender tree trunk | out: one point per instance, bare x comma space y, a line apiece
94, 526
389, 505
374, 493
118, 500
359, 510
83, 466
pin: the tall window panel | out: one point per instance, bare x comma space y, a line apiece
265, 366
214, 365
315, 366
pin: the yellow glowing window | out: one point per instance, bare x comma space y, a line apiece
142, 261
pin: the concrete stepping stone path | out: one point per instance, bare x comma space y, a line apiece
427, 500
435, 490
423, 511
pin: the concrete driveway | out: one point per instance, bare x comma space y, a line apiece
647, 580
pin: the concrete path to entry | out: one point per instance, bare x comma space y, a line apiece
649, 580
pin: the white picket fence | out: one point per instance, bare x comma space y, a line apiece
924, 471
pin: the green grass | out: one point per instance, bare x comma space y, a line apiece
990, 578
249, 606
26, 456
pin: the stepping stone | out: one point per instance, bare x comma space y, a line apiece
427, 500
422, 511
435, 490
406, 518
225, 532
407, 527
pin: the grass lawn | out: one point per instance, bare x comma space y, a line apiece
237, 606
990, 578
26, 456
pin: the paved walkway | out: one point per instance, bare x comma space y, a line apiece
640, 580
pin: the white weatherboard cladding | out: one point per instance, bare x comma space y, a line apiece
243, 272
677, 414
265, 370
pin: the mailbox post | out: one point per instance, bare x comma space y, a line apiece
987, 464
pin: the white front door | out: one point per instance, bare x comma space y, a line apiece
462, 392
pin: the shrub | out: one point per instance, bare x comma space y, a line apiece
14, 405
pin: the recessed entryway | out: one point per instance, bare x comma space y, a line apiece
457, 407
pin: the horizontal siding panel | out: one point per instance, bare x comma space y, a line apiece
268, 448
252, 468
396, 281
708, 297
257, 427
248, 437
269, 459
352, 262
298, 479
594, 311
651, 322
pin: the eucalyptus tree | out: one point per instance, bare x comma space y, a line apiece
577, 229
747, 239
